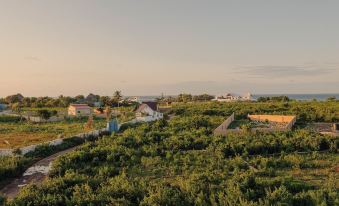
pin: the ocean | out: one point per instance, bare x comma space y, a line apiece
301, 97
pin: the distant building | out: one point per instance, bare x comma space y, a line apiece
79, 110
230, 97
134, 99
148, 111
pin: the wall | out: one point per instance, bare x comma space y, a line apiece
289, 120
272, 118
39, 119
222, 129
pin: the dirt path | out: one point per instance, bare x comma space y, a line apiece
35, 174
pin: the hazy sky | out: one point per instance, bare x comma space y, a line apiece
53, 47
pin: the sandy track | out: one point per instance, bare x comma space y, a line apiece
35, 174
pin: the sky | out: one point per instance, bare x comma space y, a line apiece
145, 47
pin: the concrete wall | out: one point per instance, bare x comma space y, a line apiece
39, 119
289, 120
222, 129
272, 118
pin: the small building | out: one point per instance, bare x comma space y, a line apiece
230, 97
79, 110
148, 111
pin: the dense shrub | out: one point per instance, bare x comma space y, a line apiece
180, 162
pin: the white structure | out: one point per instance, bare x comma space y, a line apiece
229, 97
79, 110
134, 99
148, 111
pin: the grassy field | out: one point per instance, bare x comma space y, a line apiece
14, 134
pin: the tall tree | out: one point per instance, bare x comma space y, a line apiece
117, 96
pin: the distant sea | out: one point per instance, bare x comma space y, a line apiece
301, 97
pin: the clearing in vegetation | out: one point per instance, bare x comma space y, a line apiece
15, 133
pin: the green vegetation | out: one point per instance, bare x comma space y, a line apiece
13, 166
18, 100
274, 99
305, 111
180, 162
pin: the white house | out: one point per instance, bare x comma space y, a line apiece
229, 97
79, 110
148, 111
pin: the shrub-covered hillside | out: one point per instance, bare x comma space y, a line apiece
180, 162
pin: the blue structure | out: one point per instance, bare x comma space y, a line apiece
113, 126
3, 106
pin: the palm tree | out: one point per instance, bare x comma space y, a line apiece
117, 96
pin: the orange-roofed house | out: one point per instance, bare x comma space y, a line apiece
79, 110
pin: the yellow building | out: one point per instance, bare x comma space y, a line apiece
79, 110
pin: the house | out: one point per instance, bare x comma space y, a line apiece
229, 97
148, 111
79, 110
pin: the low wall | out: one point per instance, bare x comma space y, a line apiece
39, 119
289, 120
272, 118
222, 129
25, 150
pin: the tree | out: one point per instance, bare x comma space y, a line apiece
117, 96
105, 100
14, 98
90, 123
17, 107
44, 114
331, 99
108, 112
80, 98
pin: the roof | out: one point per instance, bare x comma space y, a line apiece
152, 105
80, 106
